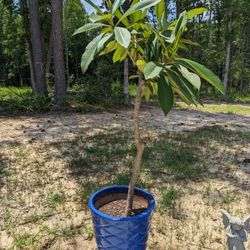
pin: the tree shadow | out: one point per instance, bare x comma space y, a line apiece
2, 169
107, 157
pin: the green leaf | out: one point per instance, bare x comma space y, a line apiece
165, 94
168, 35
116, 5
87, 27
193, 78
90, 52
120, 54
160, 11
194, 12
122, 36
145, 4
94, 6
203, 72
109, 48
125, 21
95, 18
151, 70
181, 23
182, 87
102, 42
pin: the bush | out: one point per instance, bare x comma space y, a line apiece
15, 100
117, 96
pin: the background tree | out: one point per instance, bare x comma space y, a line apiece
57, 29
37, 48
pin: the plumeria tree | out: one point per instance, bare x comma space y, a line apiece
154, 49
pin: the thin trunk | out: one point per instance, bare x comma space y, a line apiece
126, 82
37, 49
77, 74
139, 146
49, 57
24, 13
60, 84
210, 24
66, 40
228, 53
19, 73
67, 58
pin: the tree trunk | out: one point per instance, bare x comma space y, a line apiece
37, 51
228, 53
65, 14
24, 12
139, 146
19, 73
60, 84
126, 82
49, 57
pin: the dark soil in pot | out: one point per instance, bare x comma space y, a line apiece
115, 204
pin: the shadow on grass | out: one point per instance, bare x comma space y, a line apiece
106, 158
2, 169
4, 160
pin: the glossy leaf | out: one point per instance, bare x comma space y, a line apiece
193, 78
88, 26
194, 12
165, 95
160, 11
203, 72
111, 46
120, 54
151, 70
145, 4
94, 6
102, 42
116, 5
122, 36
90, 52
95, 18
184, 88
181, 23
141, 64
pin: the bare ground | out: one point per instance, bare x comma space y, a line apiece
49, 164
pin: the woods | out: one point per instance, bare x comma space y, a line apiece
37, 48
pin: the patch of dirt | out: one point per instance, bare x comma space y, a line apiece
50, 164
117, 208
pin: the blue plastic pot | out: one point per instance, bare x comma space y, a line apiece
121, 233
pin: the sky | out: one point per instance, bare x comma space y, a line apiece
88, 8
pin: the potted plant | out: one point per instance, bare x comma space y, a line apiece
121, 214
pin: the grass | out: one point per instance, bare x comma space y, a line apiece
25, 241
56, 199
21, 100
232, 109
168, 199
174, 169
15, 100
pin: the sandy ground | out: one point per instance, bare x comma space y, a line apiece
32, 171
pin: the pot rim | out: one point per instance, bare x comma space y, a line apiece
139, 191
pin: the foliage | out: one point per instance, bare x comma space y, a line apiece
154, 51
15, 100
12, 50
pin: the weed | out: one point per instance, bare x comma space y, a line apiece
56, 199
25, 241
228, 198
168, 199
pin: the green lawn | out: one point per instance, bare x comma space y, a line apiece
236, 109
